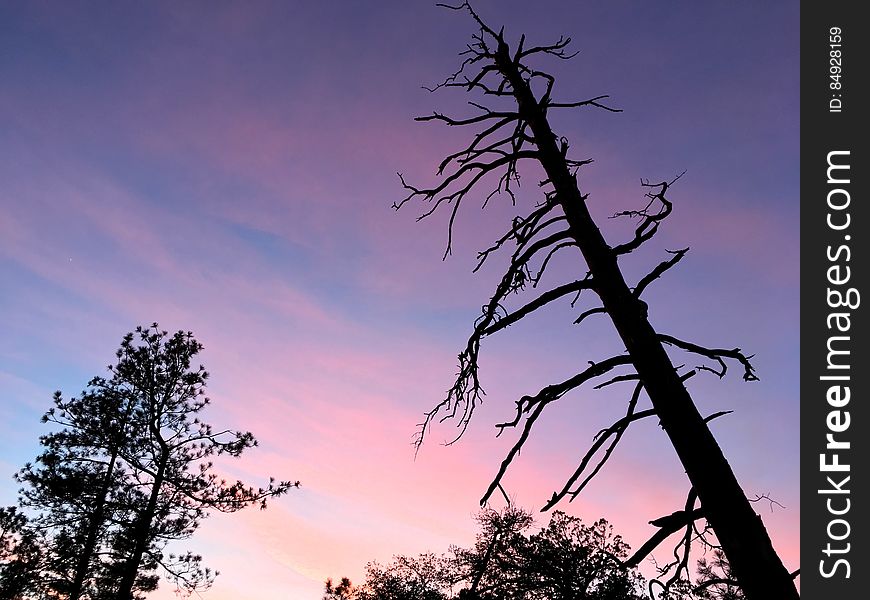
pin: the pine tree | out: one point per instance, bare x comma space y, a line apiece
173, 460
130, 470
73, 481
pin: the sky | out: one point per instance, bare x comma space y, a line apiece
229, 168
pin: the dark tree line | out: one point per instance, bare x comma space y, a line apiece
566, 560
128, 470
511, 125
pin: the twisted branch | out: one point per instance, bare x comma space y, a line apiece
717, 354
650, 219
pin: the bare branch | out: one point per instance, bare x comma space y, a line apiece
716, 354
474, 15
479, 138
659, 270
536, 404
522, 231
537, 276
467, 391
556, 49
668, 525
616, 430
649, 219
540, 301
556, 391
716, 415
591, 102
682, 564
618, 379
771, 502
479, 170
598, 310
507, 117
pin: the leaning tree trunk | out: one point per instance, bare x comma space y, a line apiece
503, 139
83, 564
739, 529
141, 531
95, 522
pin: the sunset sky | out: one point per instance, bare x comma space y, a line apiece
229, 168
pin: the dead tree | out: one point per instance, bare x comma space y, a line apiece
521, 132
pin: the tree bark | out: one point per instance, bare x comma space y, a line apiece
739, 529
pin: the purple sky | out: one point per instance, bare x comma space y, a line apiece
229, 168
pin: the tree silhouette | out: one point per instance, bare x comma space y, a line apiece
566, 560
173, 461
130, 470
343, 591
21, 555
716, 580
517, 131
77, 480
425, 577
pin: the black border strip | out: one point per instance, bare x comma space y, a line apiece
834, 335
